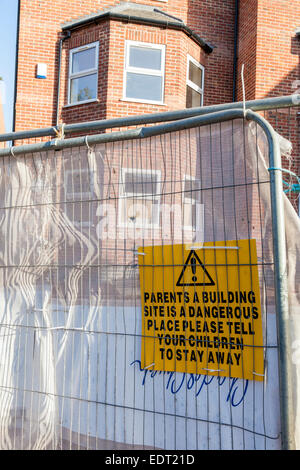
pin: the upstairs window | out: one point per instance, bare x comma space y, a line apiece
194, 83
144, 72
83, 74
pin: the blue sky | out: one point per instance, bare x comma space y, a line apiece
8, 29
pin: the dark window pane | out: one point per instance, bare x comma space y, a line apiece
195, 74
140, 183
143, 57
83, 88
84, 60
144, 87
78, 182
192, 189
193, 98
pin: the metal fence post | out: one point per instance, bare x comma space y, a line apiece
281, 288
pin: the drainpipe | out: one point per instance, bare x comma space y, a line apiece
16, 67
61, 41
235, 55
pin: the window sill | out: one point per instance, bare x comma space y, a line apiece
81, 103
133, 100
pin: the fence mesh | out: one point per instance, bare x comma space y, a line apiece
71, 316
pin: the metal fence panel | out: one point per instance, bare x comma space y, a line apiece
72, 222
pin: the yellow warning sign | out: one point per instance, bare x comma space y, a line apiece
201, 309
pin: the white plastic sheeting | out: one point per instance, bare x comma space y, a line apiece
70, 311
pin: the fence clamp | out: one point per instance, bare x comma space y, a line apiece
60, 132
292, 187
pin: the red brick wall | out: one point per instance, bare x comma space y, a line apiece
214, 21
268, 47
278, 51
94, 110
112, 36
247, 45
278, 48
40, 30
269, 50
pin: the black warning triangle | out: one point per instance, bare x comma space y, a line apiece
194, 273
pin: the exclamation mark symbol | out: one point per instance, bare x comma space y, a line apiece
193, 265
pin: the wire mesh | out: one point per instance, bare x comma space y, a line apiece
283, 119
73, 223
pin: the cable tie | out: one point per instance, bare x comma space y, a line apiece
260, 375
63, 130
87, 144
285, 171
12, 152
60, 133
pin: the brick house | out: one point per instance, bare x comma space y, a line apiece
269, 48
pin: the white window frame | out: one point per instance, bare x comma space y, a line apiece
191, 84
72, 195
188, 200
125, 195
91, 71
144, 71
81, 172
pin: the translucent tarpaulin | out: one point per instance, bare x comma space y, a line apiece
71, 316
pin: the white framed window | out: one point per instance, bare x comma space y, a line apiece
139, 202
79, 190
79, 183
144, 73
194, 83
191, 202
83, 74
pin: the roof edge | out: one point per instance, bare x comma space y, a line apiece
207, 47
